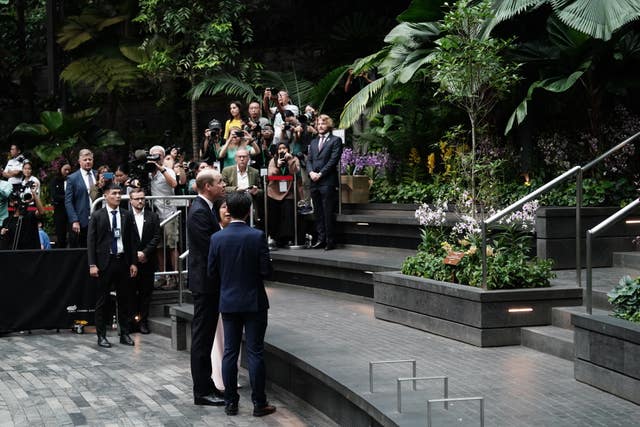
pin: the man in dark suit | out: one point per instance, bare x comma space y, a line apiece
112, 260
239, 258
202, 222
146, 239
324, 154
77, 201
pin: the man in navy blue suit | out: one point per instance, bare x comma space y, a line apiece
239, 258
77, 200
324, 154
202, 222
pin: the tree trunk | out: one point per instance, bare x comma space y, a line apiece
194, 125
473, 162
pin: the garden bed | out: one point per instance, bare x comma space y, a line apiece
608, 354
465, 313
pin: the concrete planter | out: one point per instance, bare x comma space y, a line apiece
556, 231
608, 354
355, 188
464, 313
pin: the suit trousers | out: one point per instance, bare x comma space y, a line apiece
255, 326
61, 226
203, 330
143, 287
114, 277
78, 240
325, 200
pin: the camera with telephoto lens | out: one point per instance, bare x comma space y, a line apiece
140, 168
22, 195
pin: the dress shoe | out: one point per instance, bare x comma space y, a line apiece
231, 408
144, 328
329, 246
209, 400
318, 245
262, 410
126, 339
218, 393
103, 341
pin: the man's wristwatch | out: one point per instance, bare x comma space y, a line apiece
163, 170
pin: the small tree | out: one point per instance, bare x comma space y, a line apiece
468, 67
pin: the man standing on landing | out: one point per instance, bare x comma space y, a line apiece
324, 154
201, 224
243, 301
77, 201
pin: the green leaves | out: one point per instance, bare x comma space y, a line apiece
626, 299
102, 74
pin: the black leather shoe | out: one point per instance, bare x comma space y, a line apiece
103, 341
318, 245
231, 408
209, 400
144, 328
126, 339
218, 393
261, 411
329, 246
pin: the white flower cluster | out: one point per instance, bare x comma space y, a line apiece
525, 217
428, 216
467, 226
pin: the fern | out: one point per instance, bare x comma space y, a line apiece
100, 73
224, 83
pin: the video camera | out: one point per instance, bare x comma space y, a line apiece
22, 196
140, 168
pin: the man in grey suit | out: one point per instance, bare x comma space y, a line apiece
239, 259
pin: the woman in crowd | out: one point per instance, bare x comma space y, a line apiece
28, 180
56, 192
236, 120
280, 195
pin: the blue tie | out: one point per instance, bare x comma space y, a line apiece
114, 226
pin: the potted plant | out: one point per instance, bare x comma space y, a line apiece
358, 171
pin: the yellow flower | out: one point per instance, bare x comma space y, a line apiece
489, 251
472, 250
446, 246
414, 157
464, 242
431, 162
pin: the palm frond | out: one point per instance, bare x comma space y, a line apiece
100, 73
325, 87
299, 89
370, 98
598, 18
506, 9
224, 83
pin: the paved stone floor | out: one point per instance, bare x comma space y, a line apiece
64, 379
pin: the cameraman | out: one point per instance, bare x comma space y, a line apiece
13, 169
20, 229
211, 144
162, 183
277, 113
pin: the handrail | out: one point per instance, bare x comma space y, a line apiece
170, 218
591, 233
515, 205
181, 261
609, 152
126, 197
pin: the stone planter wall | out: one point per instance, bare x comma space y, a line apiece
465, 313
608, 354
556, 231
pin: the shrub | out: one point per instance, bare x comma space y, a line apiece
625, 299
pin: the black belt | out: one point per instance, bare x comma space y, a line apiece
117, 256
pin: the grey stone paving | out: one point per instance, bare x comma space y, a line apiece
522, 387
64, 379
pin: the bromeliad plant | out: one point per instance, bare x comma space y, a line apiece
626, 299
509, 264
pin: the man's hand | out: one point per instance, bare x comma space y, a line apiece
3, 231
93, 271
142, 258
207, 133
314, 176
253, 190
75, 227
133, 270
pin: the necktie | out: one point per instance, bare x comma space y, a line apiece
114, 226
90, 179
321, 143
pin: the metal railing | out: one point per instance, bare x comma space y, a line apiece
578, 171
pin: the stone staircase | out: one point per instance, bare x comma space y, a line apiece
557, 338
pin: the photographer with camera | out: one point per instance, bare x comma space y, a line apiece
255, 121
280, 195
30, 182
211, 144
267, 149
277, 113
238, 139
20, 229
13, 170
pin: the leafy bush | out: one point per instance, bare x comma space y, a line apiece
626, 299
416, 192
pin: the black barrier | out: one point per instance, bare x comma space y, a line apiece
45, 289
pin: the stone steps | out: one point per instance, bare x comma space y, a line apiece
627, 259
549, 339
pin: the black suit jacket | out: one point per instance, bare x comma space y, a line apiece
201, 224
99, 237
325, 161
151, 235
